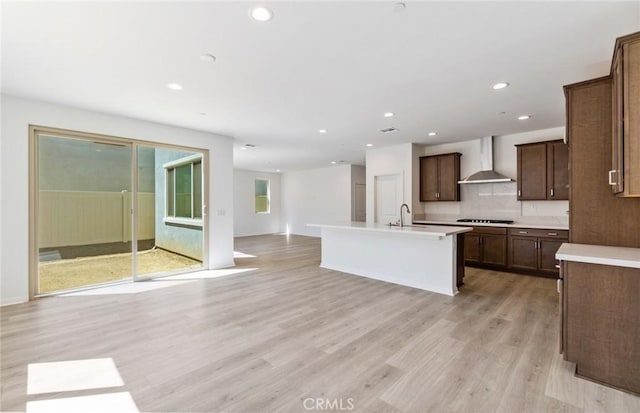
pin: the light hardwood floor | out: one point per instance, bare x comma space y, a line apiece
270, 338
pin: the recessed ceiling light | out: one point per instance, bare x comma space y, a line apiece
433, 133
500, 85
322, 131
524, 117
277, 170
205, 57
369, 145
243, 148
175, 86
399, 6
389, 114
333, 162
261, 14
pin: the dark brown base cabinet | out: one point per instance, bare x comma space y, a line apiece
523, 250
486, 246
600, 330
535, 249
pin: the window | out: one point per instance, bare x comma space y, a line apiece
184, 190
262, 196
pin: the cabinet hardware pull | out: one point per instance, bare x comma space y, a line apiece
551, 191
611, 182
552, 233
523, 232
519, 192
559, 285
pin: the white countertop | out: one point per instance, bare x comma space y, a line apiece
482, 224
422, 230
600, 254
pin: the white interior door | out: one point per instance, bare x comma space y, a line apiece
360, 202
388, 198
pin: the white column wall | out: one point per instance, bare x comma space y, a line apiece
316, 196
246, 221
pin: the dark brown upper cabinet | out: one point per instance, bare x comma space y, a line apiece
439, 176
557, 170
624, 176
543, 171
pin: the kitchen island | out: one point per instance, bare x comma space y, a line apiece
425, 257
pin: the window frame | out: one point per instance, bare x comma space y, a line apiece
172, 166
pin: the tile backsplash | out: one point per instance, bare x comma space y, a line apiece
499, 201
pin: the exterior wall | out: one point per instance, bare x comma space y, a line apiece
183, 239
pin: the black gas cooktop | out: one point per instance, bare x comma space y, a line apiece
486, 221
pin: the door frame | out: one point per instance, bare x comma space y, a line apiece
35, 131
399, 191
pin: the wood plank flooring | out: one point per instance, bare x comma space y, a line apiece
290, 336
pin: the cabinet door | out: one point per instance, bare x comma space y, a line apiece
532, 172
630, 119
494, 249
523, 253
449, 175
428, 178
617, 138
547, 249
471, 247
558, 170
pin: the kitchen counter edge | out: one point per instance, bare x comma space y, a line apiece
600, 254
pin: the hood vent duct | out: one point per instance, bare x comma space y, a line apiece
486, 175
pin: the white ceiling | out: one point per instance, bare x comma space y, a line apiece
317, 65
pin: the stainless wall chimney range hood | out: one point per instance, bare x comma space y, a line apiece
486, 175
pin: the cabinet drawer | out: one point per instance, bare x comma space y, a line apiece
490, 230
534, 232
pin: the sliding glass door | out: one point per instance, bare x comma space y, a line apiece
84, 212
91, 230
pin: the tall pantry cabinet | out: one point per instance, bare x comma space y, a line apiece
600, 304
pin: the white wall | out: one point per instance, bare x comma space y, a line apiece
315, 196
245, 220
18, 114
358, 177
499, 199
388, 161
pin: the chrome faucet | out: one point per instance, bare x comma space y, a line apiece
401, 217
